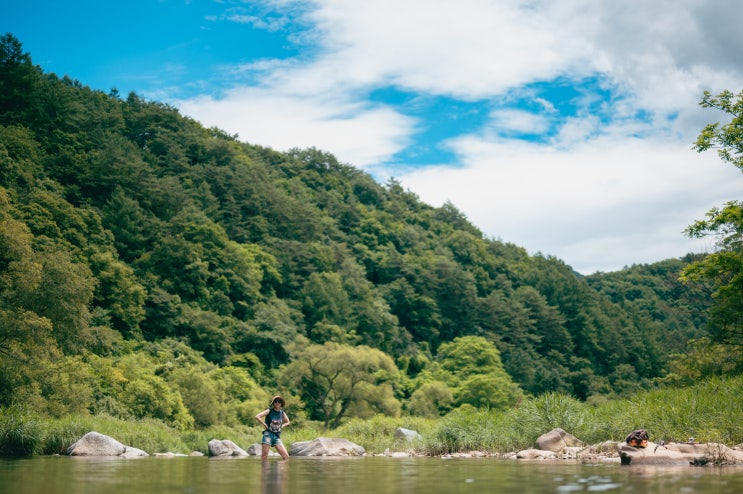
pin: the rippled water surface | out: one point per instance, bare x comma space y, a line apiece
194, 475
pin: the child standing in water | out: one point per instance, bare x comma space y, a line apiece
273, 420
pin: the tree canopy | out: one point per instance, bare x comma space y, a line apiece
723, 268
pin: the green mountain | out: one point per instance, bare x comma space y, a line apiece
128, 229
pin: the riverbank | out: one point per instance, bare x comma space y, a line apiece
710, 411
556, 444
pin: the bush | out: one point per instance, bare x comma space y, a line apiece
378, 433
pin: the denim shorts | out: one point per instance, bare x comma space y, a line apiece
271, 438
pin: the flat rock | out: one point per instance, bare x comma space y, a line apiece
680, 454
324, 446
536, 454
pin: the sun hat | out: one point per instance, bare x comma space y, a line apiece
278, 397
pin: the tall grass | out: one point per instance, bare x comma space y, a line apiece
20, 432
710, 411
378, 433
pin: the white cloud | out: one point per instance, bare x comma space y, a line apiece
598, 206
284, 121
518, 121
472, 49
598, 196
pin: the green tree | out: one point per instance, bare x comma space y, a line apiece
724, 268
478, 373
119, 293
18, 81
336, 381
431, 400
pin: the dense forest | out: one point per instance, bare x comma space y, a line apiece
151, 267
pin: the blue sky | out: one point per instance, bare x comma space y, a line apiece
561, 126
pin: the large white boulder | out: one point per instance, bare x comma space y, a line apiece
96, 444
324, 446
225, 448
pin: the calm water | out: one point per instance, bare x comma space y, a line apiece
372, 475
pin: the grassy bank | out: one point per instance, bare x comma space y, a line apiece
709, 411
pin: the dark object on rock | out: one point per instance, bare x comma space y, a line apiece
638, 438
699, 462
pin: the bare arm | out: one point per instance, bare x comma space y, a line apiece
260, 416
286, 420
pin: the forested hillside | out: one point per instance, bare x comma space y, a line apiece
151, 267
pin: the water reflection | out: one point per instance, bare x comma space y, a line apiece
373, 475
274, 476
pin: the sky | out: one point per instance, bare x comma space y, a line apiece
562, 126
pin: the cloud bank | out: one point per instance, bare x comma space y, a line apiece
590, 111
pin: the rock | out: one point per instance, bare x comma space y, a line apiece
96, 444
407, 434
536, 454
651, 455
572, 451
697, 449
557, 440
679, 454
324, 446
607, 447
395, 454
255, 449
133, 453
225, 448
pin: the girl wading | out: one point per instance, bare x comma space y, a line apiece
273, 420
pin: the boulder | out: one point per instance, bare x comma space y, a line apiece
256, 449
406, 434
223, 448
324, 446
557, 440
697, 454
133, 453
96, 444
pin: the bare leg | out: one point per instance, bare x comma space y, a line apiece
264, 450
282, 451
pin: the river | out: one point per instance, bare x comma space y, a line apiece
367, 475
